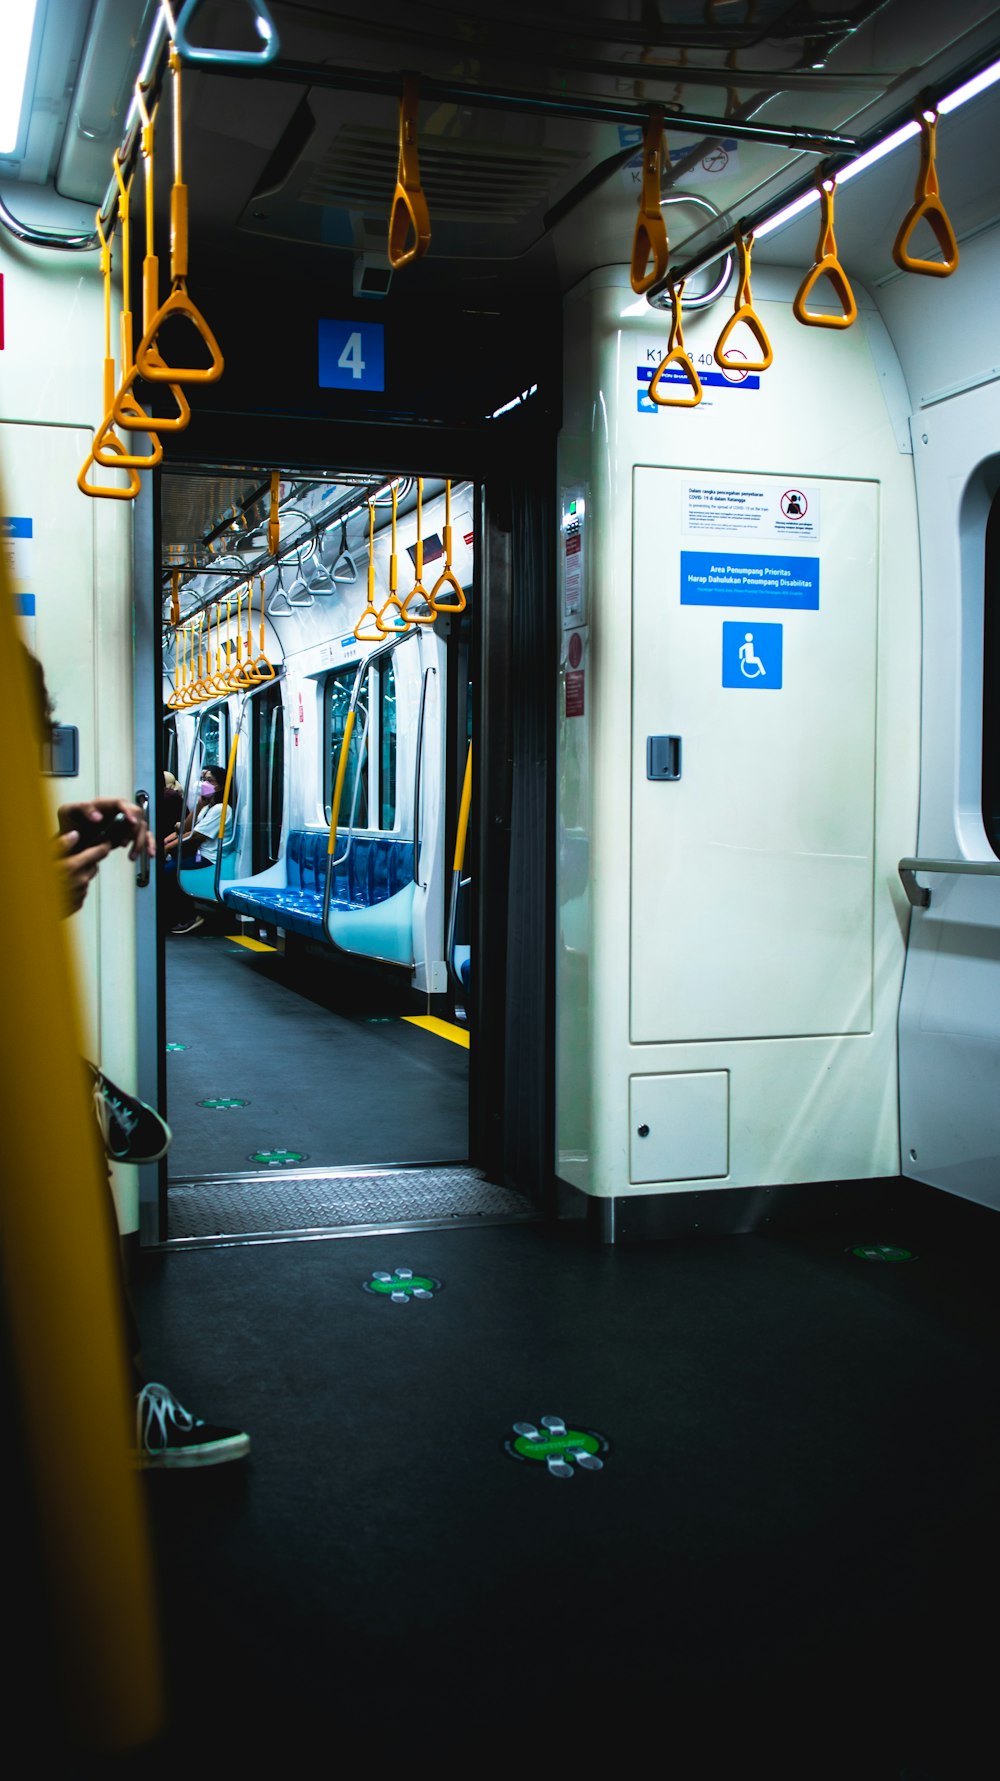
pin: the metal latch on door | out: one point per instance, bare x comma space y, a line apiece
663, 757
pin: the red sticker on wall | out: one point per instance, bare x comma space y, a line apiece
574, 694
468, 536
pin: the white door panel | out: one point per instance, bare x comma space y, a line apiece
752, 875
949, 1026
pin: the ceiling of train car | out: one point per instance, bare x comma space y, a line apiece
499, 179
213, 525
528, 122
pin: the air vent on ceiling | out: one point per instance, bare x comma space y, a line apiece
462, 180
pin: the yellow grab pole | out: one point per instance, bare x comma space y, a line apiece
338, 787
231, 768
63, 1306
463, 814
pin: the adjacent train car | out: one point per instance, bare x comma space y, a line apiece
527, 541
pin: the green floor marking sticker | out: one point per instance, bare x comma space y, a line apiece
224, 1101
278, 1159
882, 1252
171, 1047
559, 1448
402, 1285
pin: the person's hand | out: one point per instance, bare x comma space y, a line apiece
76, 871
77, 816
171, 842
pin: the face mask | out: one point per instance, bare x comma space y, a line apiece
207, 789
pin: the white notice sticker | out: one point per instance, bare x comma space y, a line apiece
17, 543
752, 508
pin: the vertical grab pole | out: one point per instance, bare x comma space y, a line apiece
461, 835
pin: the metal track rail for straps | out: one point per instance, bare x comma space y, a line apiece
754, 220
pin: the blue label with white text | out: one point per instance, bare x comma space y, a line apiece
731, 578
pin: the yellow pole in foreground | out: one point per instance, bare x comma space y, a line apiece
62, 1302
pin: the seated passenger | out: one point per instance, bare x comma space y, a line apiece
199, 844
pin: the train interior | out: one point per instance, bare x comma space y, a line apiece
514, 495
288, 1005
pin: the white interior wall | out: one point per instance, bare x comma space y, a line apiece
50, 399
832, 406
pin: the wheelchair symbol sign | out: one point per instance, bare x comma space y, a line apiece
751, 655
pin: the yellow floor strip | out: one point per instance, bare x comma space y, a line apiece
445, 1029
251, 945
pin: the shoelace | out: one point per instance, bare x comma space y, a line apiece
105, 1105
153, 1406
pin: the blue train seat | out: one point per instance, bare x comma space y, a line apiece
376, 867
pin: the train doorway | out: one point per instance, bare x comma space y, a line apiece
315, 894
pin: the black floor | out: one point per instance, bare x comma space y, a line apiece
322, 1062
786, 1566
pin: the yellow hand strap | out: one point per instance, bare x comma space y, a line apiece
676, 355
649, 243
826, 265
447, 577
927, 207
409, 206
744, 311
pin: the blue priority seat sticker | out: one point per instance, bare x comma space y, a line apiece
562, 1450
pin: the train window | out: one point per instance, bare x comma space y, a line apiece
215, 737
387, 743
991, 679
337, 690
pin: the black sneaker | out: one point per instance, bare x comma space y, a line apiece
167, 1435
189, 927
132, 1132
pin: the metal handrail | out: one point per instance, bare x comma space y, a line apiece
836, 163
918, 894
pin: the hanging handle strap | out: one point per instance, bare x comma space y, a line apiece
401, 623
202, 56
744, 311
345, 569
827, 265
418, 591
263, 667
370, 615
149, 358
927, 207
126, 409
108, 449
676, 355
409, 206
274, 516
649, 243
106, 491
447, 578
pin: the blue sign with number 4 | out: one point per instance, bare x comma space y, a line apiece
351, 356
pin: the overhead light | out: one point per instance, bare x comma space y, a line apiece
970, 89
978, 84
15, 49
